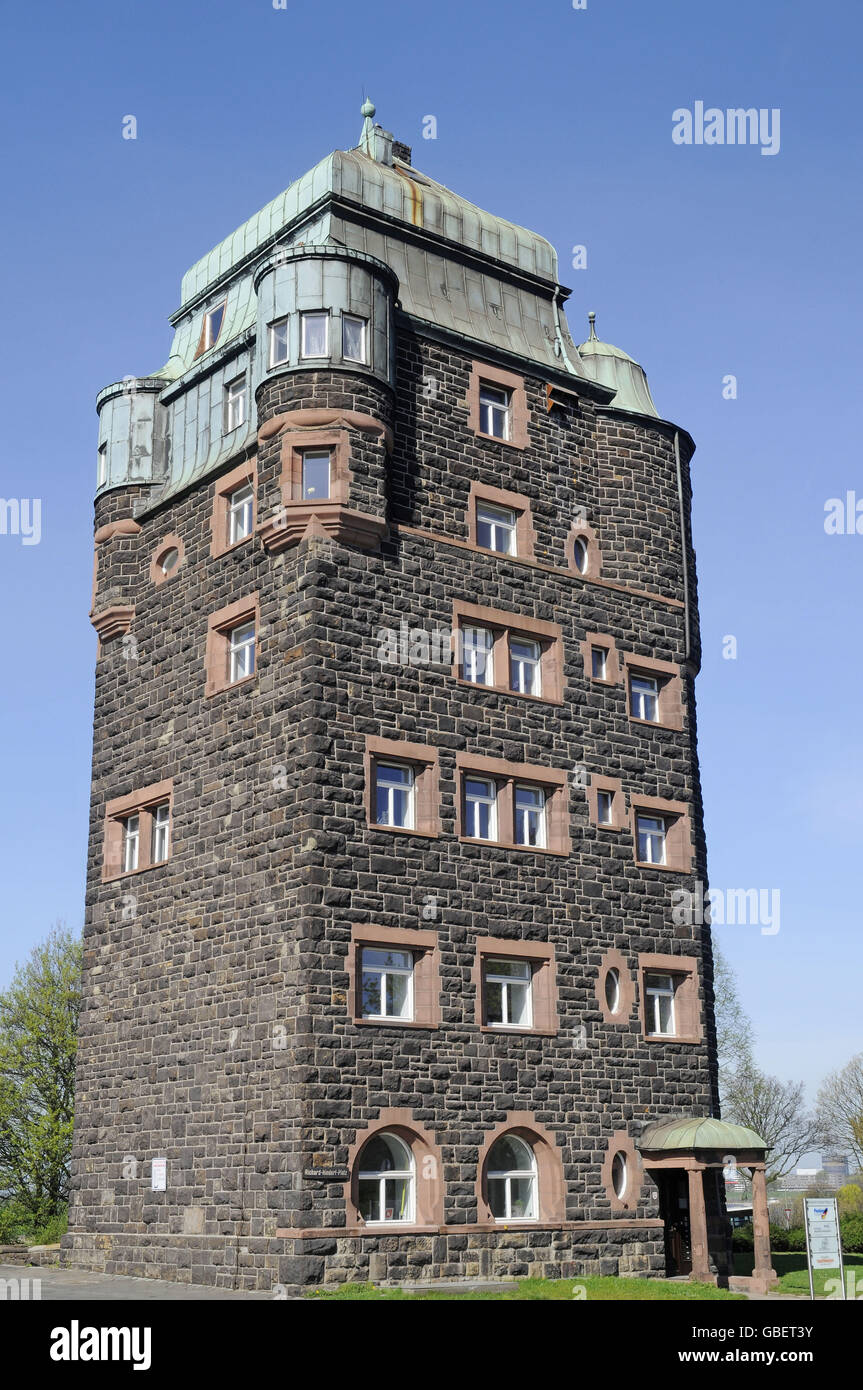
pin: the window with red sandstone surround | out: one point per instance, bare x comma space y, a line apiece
582, 551
601, 661
515, 985
500, 522
401, 787
167, 559
668, 998
512, 805
497, 406
138, 830
393, 977
606, 802
662, 833
509, 652
234, 505
654, 692
520, 1175
232, 641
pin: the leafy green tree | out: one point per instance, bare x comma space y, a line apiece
38, 1034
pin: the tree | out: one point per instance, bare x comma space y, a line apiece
734, 1036
850, 1199
38, 1033
840, 1108
774, 1109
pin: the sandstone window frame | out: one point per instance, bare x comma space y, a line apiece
428, 1163
297, 443
167, 543
506, 626
220, 625
142, 803
525, 536
244, 474
424, 760
550, 1185
614, 960
506, 775
540, 955
425, 948
483, 374
613, 666
621, 1145
613, 787
689, 1023
678, 832
669, 690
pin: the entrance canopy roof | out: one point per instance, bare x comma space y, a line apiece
699, 1132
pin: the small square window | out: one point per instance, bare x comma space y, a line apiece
644, 698
241, 652
387, 983
599, 663
240, 510
316, 474
278, 342
494, 411
496, 528
394, 795
477, 655
235, 404
353, 338
160, 833
524, 666
507, 993
530, 816
480, 805
131, 843
314, 334
213, 321
605, 808
652, 832
659, 992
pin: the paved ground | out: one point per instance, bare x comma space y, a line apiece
58, 1284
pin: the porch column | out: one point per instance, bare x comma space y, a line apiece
698, 1227
761, 1227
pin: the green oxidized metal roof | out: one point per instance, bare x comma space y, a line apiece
699, 1132
613, 367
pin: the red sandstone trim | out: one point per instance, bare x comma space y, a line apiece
506, 625
581, 530
425, 762
114, 621
426, 982
613, 668
667, 676
598, 783
687, 1007
141, 803
317, 418
525, 535
246, 472
620, 1142
505, 774
124, 527
428, 1169
219, 627
615, 960
519, 413
169, 542
678, 833
540, 956
551, 1187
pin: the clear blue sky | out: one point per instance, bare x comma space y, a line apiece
702, 261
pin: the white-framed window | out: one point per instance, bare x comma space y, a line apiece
524, 666
279, 342
385, 1182
235, 404
619, 1175
354, 334
496, 528
477, 655
480, 808
651, 832
241, 652
507, 1001
580, 554
598, 663
605, 808
102, 474
495, 406
511, 1179
316, 473
659, 1004
387, 983
394, 795
612, 990
169, 559
213, 320
530, 816
314, 334
240, 508
644, 697
160, 833
131, 843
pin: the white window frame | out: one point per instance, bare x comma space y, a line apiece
384, 971
241, 651
523, 815
236, 399
519, 1174
519, 666
492, 977
654, 993
408, 1173
160, 833
317, 454
393, 787
131, 843
604, 799
474, 801
305, 320
364, 325
210, 339
274, 329
241, 507
503, 522
645, 698
495, 411
599, 663
651, 828
476, 643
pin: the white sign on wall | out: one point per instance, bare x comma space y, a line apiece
159, 1182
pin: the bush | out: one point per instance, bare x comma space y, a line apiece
13, 1224
742, 1238
851, 1227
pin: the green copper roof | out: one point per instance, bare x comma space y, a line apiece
613, 367
699, 1133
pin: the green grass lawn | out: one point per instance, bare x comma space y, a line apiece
553, 1290
793, 1277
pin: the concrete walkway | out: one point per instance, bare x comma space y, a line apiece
58, 1284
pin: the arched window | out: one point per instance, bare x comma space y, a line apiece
386, 1180
511, 1179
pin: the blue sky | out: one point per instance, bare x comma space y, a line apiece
702, 262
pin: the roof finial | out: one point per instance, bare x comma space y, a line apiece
367, 134
367, 109
591, 318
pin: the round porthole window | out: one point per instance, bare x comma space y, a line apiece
612, 991
579, 554
169, 560
618, 1175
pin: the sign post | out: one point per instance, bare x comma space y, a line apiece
823, 1239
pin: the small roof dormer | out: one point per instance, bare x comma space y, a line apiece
613, 367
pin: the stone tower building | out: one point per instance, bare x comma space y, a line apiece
395, 783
